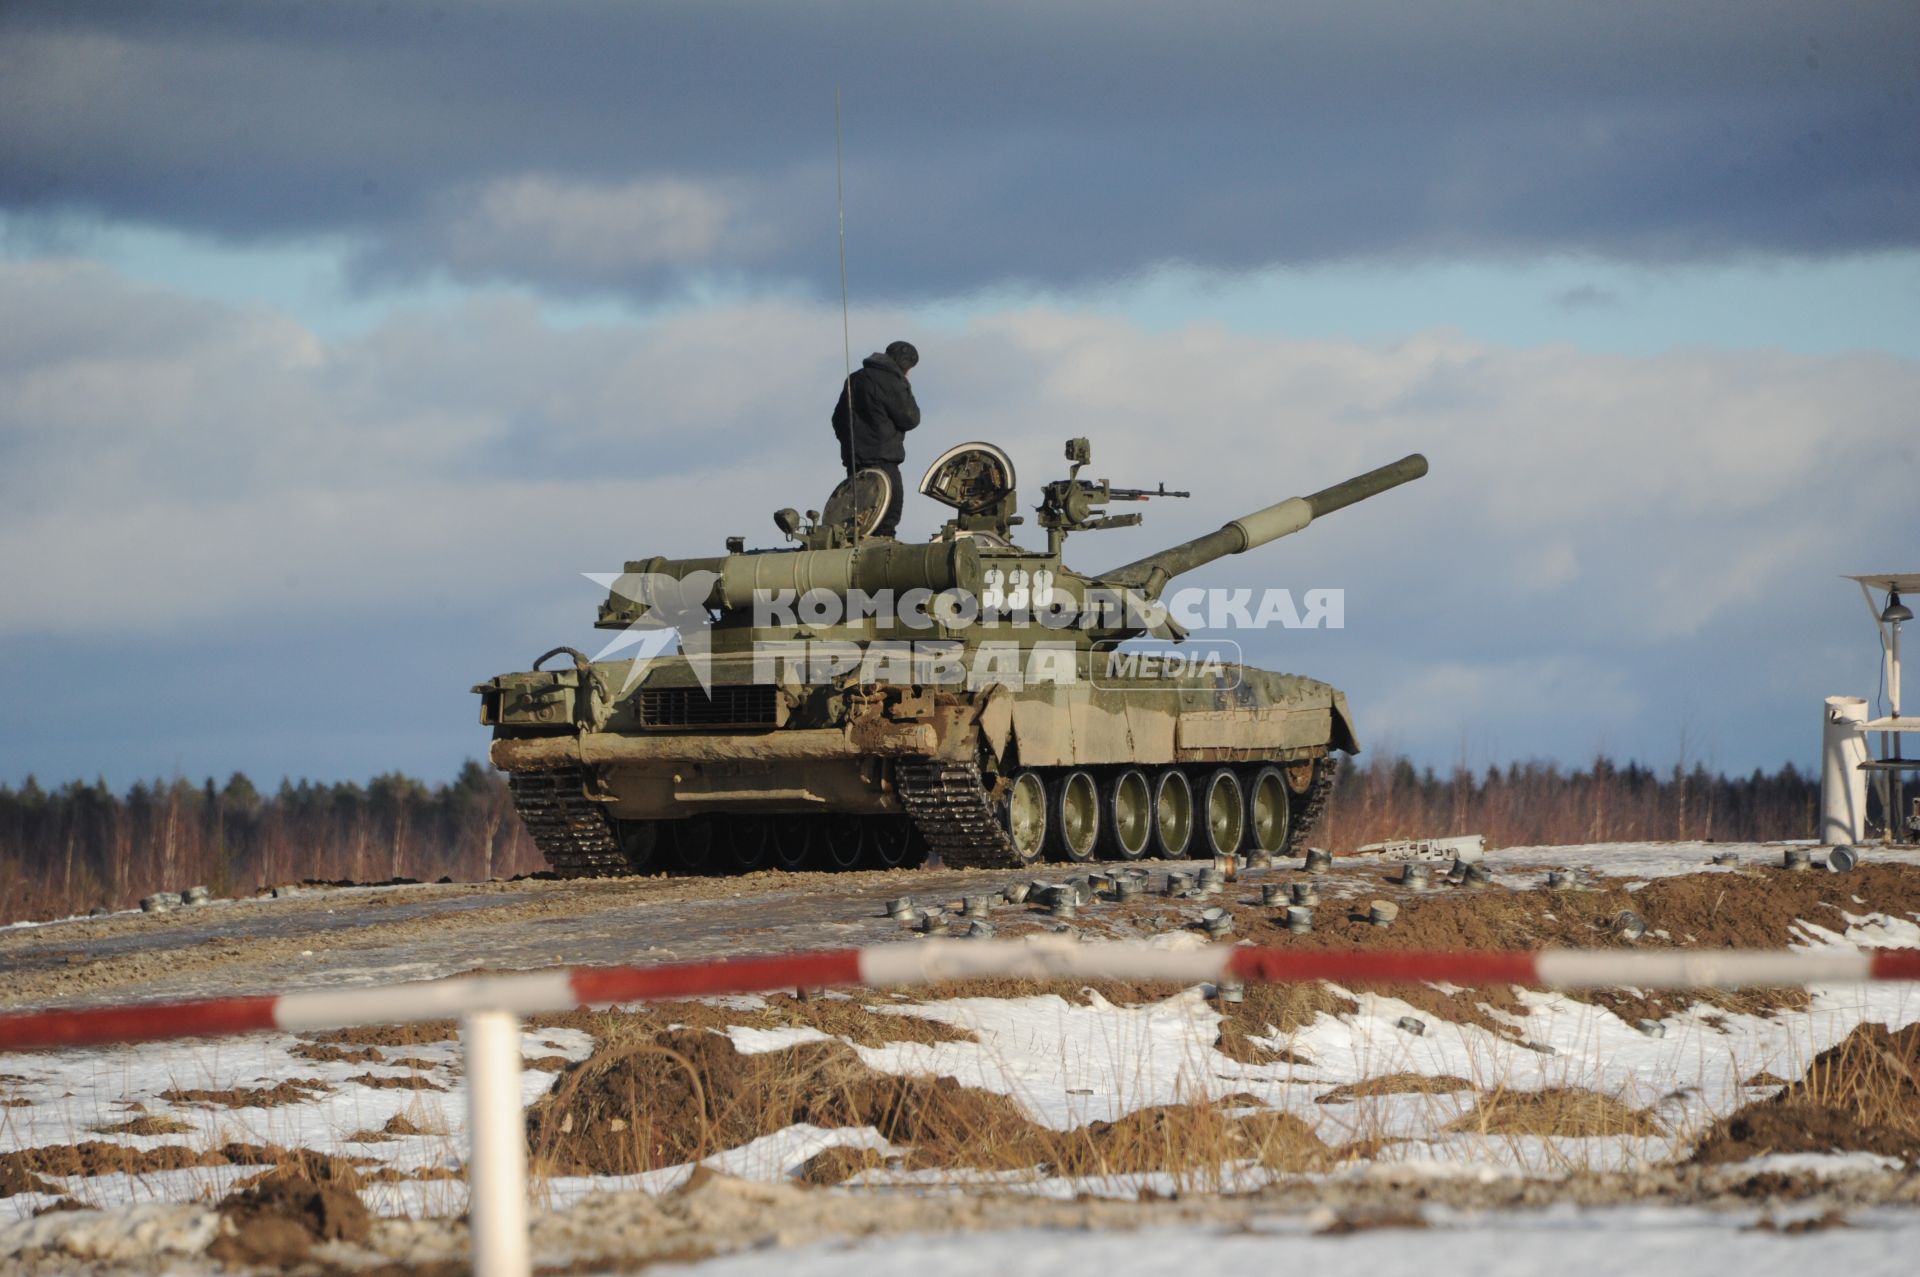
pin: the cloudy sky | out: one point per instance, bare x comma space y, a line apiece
337, 339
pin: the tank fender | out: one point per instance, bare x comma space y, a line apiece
1343, 736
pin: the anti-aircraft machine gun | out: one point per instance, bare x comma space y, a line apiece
846, 700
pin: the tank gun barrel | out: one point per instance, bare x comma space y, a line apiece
1283, 518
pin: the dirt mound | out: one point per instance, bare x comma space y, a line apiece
327, 1054
296, 1090
96, 1157
1861, 1095
1394, 1084
146, 1124
690, 1094
421, 1034
16, 1178
277, 1222
411, 1082
1563, 1112
1756, 908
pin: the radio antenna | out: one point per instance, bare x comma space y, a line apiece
846, 329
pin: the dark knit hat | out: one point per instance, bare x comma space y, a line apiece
903, 354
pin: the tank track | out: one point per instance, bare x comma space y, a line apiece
949, 804
571, 830
1315, 801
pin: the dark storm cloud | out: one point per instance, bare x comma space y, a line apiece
588, 144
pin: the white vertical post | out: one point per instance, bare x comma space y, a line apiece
497, 1157
1843, 786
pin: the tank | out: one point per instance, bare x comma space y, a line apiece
843, 700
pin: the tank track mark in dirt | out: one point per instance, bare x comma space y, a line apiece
570, 829
949, 804
1315, 802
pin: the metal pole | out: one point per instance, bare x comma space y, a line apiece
497, 1162
1843, 786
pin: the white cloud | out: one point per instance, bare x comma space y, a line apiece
170, 463
544, 226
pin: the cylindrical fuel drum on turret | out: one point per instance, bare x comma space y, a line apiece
870, 567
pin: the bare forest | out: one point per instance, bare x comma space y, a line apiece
82, 846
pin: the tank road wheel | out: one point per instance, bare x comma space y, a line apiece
639, 841
1172, 814
1224, 812
749, 843
1076, 815
841, 840
1025, 816
1269, 812
693, 844
1129, 804
892, 842
794, 840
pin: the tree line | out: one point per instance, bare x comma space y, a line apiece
82, 846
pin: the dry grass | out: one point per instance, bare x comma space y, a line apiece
1395, 1084
688, 1094
1558, 1112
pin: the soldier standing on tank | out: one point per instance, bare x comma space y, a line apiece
883, 411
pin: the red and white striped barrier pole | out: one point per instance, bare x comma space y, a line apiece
934, 961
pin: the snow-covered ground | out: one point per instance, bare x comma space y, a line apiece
1067, 1063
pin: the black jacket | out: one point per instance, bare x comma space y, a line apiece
883, 410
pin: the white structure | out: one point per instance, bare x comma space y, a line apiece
1844, 764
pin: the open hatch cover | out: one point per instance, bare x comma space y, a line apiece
970, 477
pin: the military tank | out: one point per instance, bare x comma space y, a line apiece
844, 700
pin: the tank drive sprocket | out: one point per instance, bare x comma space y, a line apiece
570, 829
950, 805
1314, 803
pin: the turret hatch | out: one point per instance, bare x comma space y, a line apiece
973, 478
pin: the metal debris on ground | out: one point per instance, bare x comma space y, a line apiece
1467, 847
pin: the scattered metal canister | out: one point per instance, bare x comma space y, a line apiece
1558, 880
1063, 904
1417, 876
1217, 921
1318, 860
980, 930
1629, 925
929, 922
901, 910
1228, 865
1381, 913
1726, 857
1178, 882
1211, 880
1842, 860
1273, 893
1797, 860
1306, 893
160, 902
1457, 873
1125, 888
1653, 1028
1299, 919
195, 896
1478, 875
1408, 1024
1231, 991
976, 906
1016, 893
